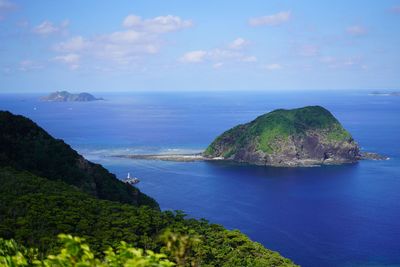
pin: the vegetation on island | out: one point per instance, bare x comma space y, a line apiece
278, 131
280, 124
45, 192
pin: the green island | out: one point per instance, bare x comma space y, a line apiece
297, 137
58, 209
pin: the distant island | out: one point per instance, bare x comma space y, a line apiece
64, 96
297, 137
378, 93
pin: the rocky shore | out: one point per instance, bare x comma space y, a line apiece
372, 156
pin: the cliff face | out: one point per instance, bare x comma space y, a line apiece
297, 137
26, 146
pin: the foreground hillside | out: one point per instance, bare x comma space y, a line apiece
26, 146
34, 210
297, 137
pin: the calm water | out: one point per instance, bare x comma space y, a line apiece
325, 216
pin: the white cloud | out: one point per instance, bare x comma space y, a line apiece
194, 56
140, 37
72, 60
219, 55
215, 55
273, 66
131, 21
271, 20
160, 24
129, 36
77, 43
238, 43
124, 47
69, 58
48, 27
356, 30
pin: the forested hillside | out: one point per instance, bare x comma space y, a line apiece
26, 146
34, 210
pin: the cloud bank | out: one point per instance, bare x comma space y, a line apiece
140, 37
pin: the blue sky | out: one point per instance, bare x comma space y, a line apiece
199, 45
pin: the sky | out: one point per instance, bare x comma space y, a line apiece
175, 45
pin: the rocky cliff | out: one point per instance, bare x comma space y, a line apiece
297, 137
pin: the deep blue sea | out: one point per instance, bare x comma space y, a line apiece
323, 216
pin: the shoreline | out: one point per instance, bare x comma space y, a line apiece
200, 157
170, 157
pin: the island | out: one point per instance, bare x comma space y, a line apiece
64, 96
378, 93
305, 136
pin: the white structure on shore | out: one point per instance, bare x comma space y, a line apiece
131, 180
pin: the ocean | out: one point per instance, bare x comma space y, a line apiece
345, 215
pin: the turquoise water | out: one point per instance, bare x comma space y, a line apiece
325, 216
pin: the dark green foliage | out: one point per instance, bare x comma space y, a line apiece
26, 146
35, 210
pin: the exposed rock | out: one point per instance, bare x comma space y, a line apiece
373, 156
